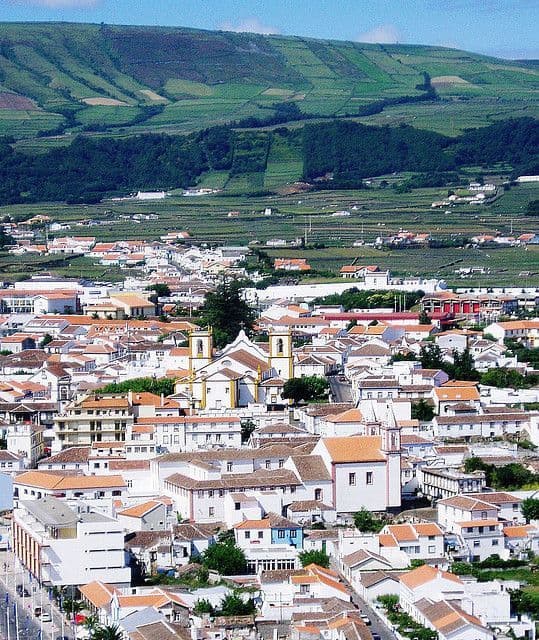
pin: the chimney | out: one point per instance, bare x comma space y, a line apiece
130, 397
162, 399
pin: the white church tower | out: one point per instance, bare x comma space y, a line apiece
280, 353
200, 349
391, 448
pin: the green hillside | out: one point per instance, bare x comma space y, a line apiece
58, 79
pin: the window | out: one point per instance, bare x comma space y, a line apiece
229, 466
281, 464
211, 512
368, 477
280, 533
515, 506
247, 535
318, 494
495, 543
237, 506
483, 515
304, 588
293, 533
268, 464
476, 543
260, 535
351, 479
432, 548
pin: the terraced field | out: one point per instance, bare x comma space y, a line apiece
373, 212
84, 77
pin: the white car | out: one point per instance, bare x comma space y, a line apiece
46, 617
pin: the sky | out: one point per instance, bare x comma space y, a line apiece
504, 28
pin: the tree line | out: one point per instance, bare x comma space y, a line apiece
91, 168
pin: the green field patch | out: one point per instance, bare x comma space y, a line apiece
24, 124
180, 87
107, 115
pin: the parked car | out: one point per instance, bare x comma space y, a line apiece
46, 617
365, 619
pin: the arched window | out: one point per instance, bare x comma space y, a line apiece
200, 347
280, 347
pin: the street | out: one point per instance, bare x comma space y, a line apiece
340, 391
17, 612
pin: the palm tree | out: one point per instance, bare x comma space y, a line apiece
90, 623
107, 632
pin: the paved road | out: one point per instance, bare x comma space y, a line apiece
30, 626
340, 391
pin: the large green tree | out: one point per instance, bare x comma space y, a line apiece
227, 312
306, 388
225, 557
138, 385
431, 357
366, 522
315, 556
464, 366
233, 605
530, 509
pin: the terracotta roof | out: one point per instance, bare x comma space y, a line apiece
72, 454
98, 593
56, 481
496, 497
518, 531
426, 573
140, 510
354, 449
387, 540
456, 393
479, 523
311, 468
468, 503
351, 415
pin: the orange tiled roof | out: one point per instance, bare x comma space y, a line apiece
98, 593
59, 482
426, 573
354, 449
253, 524
140, 510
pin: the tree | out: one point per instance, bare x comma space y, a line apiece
422, 410
530, 509
464, 366
160, 289
233, 605
107, 632
225, 557
203, 606
507, 378
431, 357
366, 522
247, 428
424, 318
45, 341
306, 388
226, 312
158, 386
314, 557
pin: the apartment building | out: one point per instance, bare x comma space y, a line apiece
94, 418
64, 546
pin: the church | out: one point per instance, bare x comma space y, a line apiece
242, 373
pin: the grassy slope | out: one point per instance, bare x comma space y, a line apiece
202, 78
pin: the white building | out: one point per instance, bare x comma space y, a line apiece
64, 546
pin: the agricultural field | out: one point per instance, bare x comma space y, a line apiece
67, 78
309, 215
